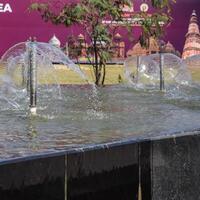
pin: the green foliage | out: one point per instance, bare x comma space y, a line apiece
153, 26
38, 7
162, 4
90, 14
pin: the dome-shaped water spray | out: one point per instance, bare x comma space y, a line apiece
156, 71
193, 61
28, 69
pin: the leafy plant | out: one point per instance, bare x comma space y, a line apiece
90, 14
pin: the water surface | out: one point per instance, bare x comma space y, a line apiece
82, 117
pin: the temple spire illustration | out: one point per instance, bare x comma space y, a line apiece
192, 42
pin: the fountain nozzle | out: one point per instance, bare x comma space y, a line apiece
33, 111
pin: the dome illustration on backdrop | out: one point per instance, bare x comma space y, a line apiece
55, 41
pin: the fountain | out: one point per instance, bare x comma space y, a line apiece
28, 66
193, 61
157, 70
123, 137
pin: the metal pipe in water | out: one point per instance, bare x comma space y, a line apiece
28, 77
33, 78
162, 83
138, 66
27, 60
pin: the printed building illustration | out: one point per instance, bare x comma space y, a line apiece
155, 46
118, 47
192, 42
120, 51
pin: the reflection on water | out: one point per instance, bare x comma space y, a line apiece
112, 113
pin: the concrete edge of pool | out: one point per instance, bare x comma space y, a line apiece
161, 167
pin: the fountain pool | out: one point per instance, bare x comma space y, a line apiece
115, 113
123, 137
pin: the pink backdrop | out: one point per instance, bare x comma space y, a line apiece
20, 24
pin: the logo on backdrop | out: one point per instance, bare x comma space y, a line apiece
5, 8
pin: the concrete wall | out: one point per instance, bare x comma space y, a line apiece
166, 169
176, 168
